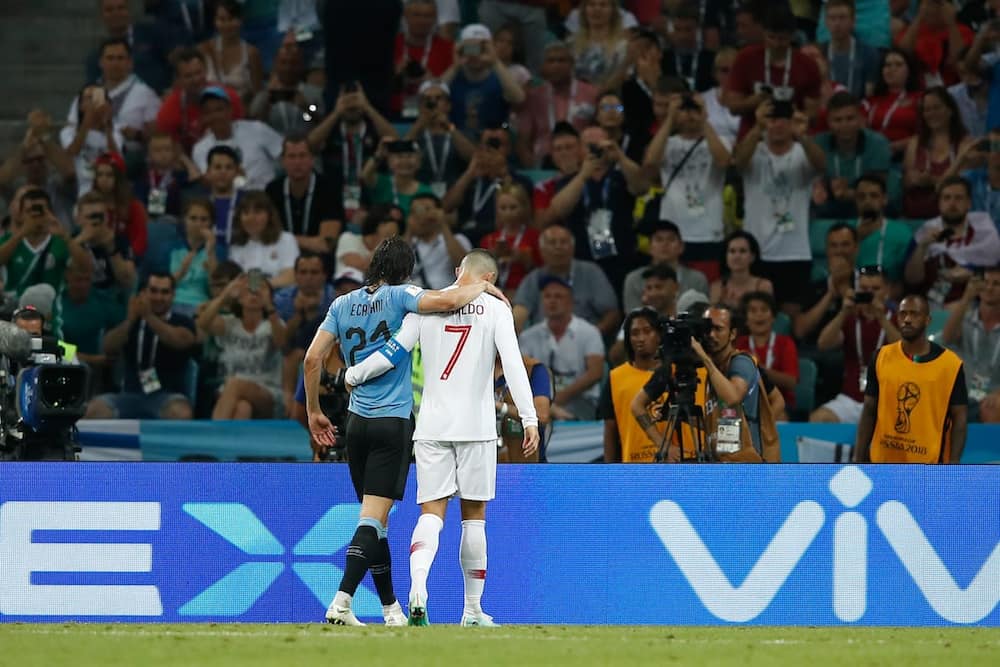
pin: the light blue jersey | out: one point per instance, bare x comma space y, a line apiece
363, 322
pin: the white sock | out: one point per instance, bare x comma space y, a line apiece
342, 599
472, 555
423, 548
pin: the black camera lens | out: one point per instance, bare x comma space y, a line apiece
494, 143
595, 150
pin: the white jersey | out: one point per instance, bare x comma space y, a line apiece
458, 352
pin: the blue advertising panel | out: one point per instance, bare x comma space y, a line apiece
782, 545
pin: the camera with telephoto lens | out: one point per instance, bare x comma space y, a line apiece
862, 298
41, 399
334, 405
675, 348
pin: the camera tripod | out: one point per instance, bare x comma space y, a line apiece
679, 412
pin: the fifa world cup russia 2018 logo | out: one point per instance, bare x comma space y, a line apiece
907, 397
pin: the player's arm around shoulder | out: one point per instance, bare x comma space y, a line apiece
390, 355
446, 300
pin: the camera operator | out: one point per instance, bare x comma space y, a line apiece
739, 417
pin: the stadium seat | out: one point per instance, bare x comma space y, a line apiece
938, 318
191, 381
805, 390
783, 324
539, 175
164, 235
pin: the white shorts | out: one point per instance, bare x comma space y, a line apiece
848, 410
466, 469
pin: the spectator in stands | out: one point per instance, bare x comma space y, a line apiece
438, 251
748, 28
307, 202
168, 173
611, 118
92, 134
510, 51
639, 90
309, 297
85, 317
37, 248
420, 55
223, 167
528, 16
259, 242
231, 60
180, 114
691, 59
860, 328
594, 299
192, 263
972, 331
355, 250
972, 96
125, 212
659, 292
111, 253
600, 44
778, 172
150, 46
565, 155
824, 298
482, 88
929, 154
692, 166
596, 205
772, 72
257, 144
776, 354
561, 98
473, 195
739, 271
985, 181
666, 246
827, 87
629, 438
892, 107
937, 39
289, 103
191, 21
851, 151
250, 342
509, 419
726, 124
135, 105
40, 161
347, 138
882, 242
446, 150
400, 185
854, 64
515, 241
948, 245
571, 348
155, 345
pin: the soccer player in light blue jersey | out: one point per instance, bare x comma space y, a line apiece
379, 426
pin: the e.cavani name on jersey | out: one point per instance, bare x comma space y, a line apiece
366, 309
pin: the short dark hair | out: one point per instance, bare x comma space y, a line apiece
956, 180
873, 178
232, 7
643, 313
735, 315
37, 194
686, 12
841, 226
166, 275
114, 41
564, 129
842, 100
306, 254
295, 137
841, 3
920, 297
764, 297
668, 85
426, 196
377, 214
779, 18
392, 262
227, 151
661, 271
186, 55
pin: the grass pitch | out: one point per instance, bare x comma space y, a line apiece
221, 645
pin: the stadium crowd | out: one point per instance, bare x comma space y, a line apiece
227, 169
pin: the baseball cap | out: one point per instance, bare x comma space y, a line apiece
114, 160
689, 298
656, 225
549, 279
475, 31
433, 83
39, 298
349, 273
214, 92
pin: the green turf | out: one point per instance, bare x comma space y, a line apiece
220, 645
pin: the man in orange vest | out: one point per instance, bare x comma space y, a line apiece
916, 400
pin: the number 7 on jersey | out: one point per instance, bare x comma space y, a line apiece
463, 331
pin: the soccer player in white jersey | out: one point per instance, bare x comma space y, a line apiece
455, 441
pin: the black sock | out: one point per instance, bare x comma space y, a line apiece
363, 551
381, 569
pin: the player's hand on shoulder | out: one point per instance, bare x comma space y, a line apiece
498, 293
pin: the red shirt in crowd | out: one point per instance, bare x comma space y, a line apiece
781, 356
133, 227
435, 60
748, 71
526, 241
893, 114
186, 127
931, 49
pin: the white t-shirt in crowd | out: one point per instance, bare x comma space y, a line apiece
347, 243
566, 358
95, 144
269, 259
778, 190
694, 199
725, 124
434, 268
258, 145
135, 104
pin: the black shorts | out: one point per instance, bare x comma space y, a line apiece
378, 454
